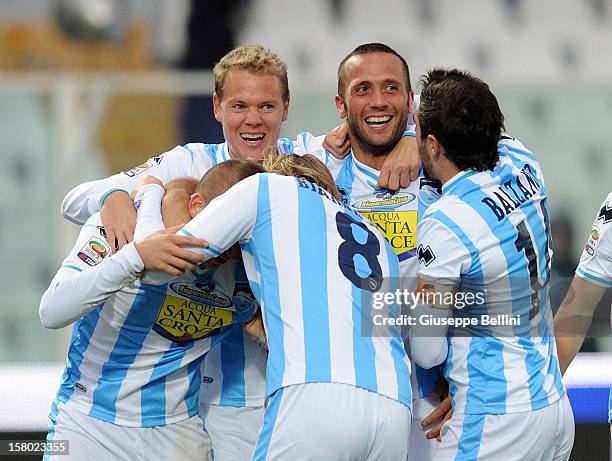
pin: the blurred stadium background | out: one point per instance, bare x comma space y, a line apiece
90, 87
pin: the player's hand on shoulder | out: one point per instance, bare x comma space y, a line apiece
119, 219
401, 166
164, 251
337, 141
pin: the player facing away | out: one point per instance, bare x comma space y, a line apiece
334, 392
132, 378
593, 277
489, 236
251, 102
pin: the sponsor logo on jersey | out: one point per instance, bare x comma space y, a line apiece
383, 201
207, 379
589, 249
94, 251
140, 168
193, 310
397, 226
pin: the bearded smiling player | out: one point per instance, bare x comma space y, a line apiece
375, 98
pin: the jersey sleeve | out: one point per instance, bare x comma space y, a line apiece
307, 143
87, 277
227, 219
148, 208
442, 258
86, 199
441, 253
595, 264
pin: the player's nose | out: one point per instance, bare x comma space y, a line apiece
378, 99
253, 117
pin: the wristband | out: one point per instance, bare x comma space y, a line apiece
411, 134
107, 193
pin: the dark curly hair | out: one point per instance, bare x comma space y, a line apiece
463, 114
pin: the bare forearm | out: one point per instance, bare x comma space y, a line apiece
574, 318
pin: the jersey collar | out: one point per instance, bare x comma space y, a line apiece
449, 185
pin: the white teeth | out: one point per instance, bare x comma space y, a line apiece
252, 136
381, 119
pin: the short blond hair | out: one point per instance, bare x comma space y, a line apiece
307, 166
252, 58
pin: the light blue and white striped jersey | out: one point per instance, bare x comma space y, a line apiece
306, 257
491, 231
395, 215
596, 260
134, 360
241, 380
234, 370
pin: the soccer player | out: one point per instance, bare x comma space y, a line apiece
375, 98
593, 277
251, 101
488, 236
334, 391
130, 387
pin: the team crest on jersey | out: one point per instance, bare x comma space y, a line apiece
383, 210
94, 251
193, 310
140, 168
430, 190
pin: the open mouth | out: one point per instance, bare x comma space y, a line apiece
378, 120
252, 137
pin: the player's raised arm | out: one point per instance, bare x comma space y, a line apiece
112, 195
87, 277
221, 217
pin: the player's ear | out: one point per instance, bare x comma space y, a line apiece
197, 202
410, 101
286, 108
217, 107
435, 146
340, 107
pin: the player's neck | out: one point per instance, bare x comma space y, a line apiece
445, 171
368, 158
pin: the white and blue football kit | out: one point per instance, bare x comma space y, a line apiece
395, 215
224, 387
306, 257
489, 233
136, 348
596, 260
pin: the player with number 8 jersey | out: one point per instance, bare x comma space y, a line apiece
313, 264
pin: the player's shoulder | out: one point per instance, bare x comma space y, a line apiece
443, 206
197, 151
607, 202
513, 150
95, 221
603, 219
